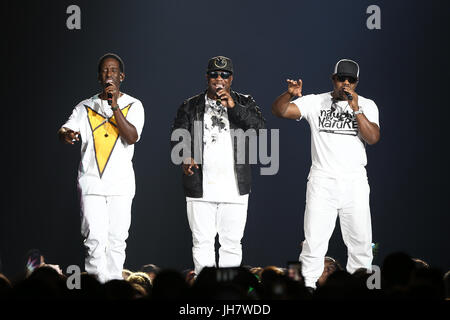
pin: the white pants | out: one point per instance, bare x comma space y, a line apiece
206, 220
105, 221
326, 199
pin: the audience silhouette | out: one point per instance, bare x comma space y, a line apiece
402, 277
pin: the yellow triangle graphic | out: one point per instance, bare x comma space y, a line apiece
105, 133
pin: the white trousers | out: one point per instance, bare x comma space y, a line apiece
105, 221
326, 199
206, 220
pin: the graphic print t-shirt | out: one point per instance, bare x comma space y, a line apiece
106, 166
337, 150
219, 179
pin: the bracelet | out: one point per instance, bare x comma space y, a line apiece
114, 108
360, 110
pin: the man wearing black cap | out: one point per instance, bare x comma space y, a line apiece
342, 123
216, 184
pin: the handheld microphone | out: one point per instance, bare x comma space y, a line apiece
349, 96
109, 95
218, 100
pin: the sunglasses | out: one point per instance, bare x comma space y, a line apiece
215, 74
343, 78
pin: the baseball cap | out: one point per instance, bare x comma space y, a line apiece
347, 67
220, 63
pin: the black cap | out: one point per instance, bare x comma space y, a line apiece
220, 63
346, 67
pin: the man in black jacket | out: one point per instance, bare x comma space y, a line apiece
217, 178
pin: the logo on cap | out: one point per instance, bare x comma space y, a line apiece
220, 62
347, 67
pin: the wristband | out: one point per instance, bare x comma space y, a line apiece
114, 108
360, 110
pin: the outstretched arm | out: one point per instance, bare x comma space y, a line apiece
282, 106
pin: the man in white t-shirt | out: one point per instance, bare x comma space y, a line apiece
342, 123
217, 185
108, 124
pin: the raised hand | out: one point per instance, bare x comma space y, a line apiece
68, 136
295, 87
226, 99
188, 163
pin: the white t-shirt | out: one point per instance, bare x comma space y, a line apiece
337, 150
219, 178
106, 166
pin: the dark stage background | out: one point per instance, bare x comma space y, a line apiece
166, 46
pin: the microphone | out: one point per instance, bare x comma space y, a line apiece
349, 96
218, 100
109, 95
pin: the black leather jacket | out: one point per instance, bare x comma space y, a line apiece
245, 115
